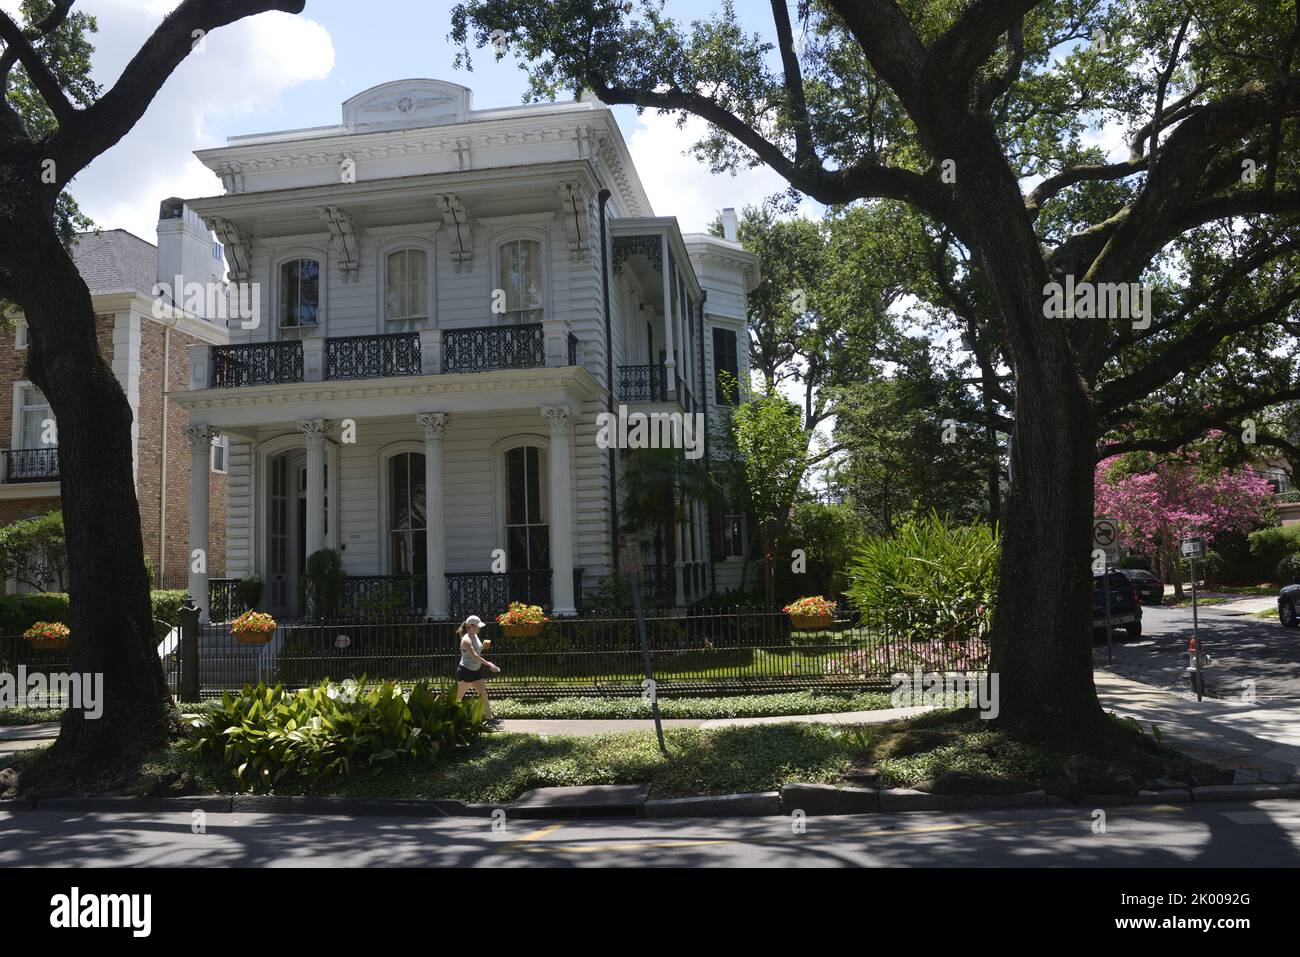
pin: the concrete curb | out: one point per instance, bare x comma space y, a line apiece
811, 799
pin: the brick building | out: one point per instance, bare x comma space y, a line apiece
148, 347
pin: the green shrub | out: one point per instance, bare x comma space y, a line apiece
249, 591
931, 580
1269, 546
167, 604
19, 612
33, 551
1288, 570
1135, 561
269, 736
320, 589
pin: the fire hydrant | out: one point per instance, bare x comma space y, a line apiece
1195, 674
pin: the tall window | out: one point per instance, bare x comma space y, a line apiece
528, 538
726, 368
35, 413
220, 453
299, 294
406, 514
733, 535
407, 292
520, 271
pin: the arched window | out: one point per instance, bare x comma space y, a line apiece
299, 295
528, 540
407, 523
519, 265
406, 292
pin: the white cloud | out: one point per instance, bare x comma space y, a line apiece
239, 69
680, 185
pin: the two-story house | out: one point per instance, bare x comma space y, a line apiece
146, 335
439, 334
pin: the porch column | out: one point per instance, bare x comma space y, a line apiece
560, 480
200, 439
435, 536
313, 431
670, 364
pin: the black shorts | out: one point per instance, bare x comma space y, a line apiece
469, 674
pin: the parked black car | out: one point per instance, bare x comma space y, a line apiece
1150, 589
1288, 606
1125, 608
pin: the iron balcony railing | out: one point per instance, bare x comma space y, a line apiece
257, 363
484, 348
31, 465
642, 383
368, 357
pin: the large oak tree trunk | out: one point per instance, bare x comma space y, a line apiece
1042, 630
111, 615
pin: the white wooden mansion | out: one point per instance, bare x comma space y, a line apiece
421, 386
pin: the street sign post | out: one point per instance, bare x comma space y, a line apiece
629, 556
1192, 549
1105, 538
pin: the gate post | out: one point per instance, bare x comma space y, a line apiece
188, 620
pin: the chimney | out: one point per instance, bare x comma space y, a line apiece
188, 252
729, 224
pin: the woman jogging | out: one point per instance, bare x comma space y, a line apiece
473, 668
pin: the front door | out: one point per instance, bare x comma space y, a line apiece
286, 532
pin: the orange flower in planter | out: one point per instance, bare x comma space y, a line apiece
48, 634
811, 614
253, 627
522, 621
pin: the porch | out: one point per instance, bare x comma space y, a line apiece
375, 596
432, 513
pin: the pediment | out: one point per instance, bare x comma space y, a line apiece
407, 104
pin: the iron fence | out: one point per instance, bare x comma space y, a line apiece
42, 672
257, 363
31, 465
644, 383
364, 357
694, 652
484, 348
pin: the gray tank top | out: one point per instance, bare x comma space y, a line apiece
466, 659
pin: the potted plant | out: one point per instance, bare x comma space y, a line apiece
249, 591
522, 621
814, 613
48, 635
253, 628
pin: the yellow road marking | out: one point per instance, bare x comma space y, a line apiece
629, 847
536, 835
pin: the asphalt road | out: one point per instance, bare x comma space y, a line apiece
1244, 649
1215, 835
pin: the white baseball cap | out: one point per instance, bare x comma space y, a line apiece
474, 620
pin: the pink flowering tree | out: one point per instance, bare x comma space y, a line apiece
1170, 499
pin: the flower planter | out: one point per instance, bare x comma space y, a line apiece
811, 622
253, 637
528, 630
48, 644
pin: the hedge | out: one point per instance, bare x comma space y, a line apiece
20, 612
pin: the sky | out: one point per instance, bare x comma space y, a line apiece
276, 71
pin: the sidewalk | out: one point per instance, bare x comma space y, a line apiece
1261, 741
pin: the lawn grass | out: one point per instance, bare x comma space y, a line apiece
25, 715
1270, 613
497, 767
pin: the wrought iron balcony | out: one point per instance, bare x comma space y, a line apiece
368, 357
642, 383
484, 348
484, 593
258, 363
31, 465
